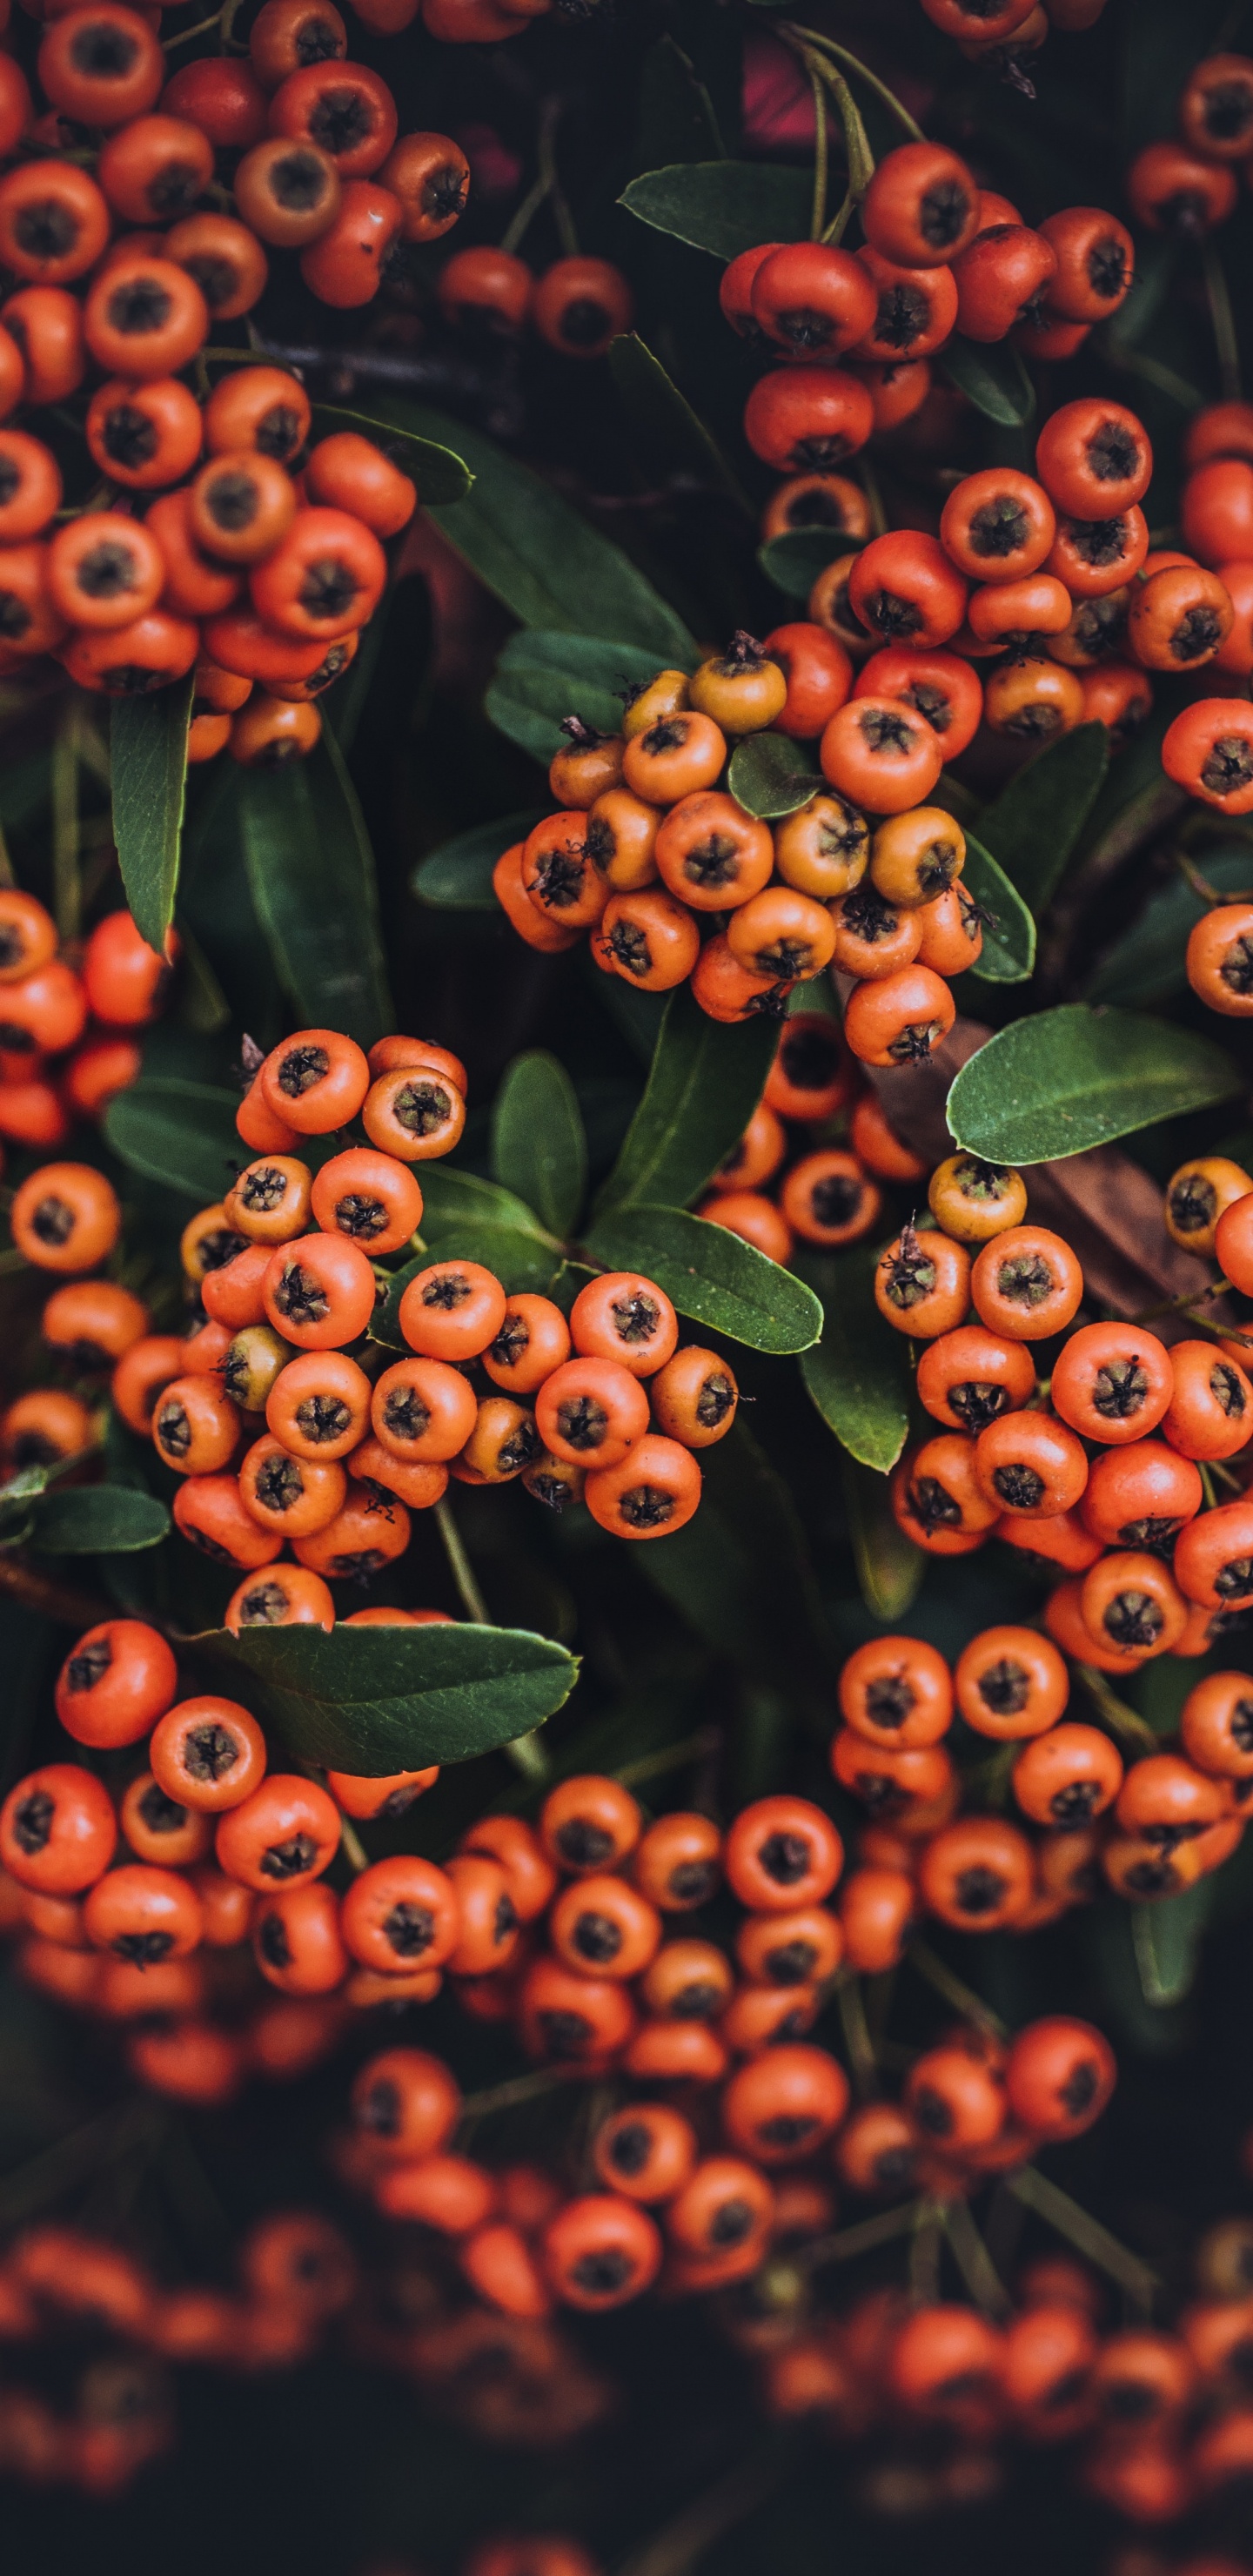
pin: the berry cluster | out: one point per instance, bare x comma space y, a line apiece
68, 1024
1187, 185
215, 539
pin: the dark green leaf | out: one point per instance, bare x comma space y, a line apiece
678, 120
858, 1374
705, 1080
673, 436
722, 206
182, 1133
439, 474
1035, 822
378, 1700
466, 1219
993, 379
793, 561
889, 1566
770, 774
711, 1275
1167, 1941
538, 1145
541, 678
1008, 953
740, 1572
311, 871
1147, 963
98, 1520
549, 567
452, 1197
148, 760
1052, 1085
457, 877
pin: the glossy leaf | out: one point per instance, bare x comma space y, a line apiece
1147, 963
711, 1275
547, 564
1166, 1938
453, 1197
98, 1520
1035, 822
377, 1700
890, 1568
705, 1080
148, 762
538, 1145
181, 1133
311, 871
722, 206
457, 877
673, 436
1052, 1085
769, 774
993, 378
794, 560
440, 474
1008, 952
541, 678
858, 1375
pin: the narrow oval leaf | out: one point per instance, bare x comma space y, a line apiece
439, 474
547, 564
1167, 1942
711, 1275
674, 437
182, 1133
148, 762
722, 206
769, 774
705, 1080
378, 1700
541, 679
858, 1374
993, 378
98, 1520
1052, 1085
1035, 822
311, 872
1008, 953
889, 1567
452, 1197
457, 877
539, 1149
793, 561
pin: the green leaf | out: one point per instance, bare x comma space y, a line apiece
311, 872
673, 436
98, 1520
549, 567
466, 1219
457, 877
378, 1700
993, 378
148, 761
711, 1275
1035, 822
181, 1133
858, 1374
440, 475
1147, 963
452, 1197
1166, 1938
794, 560
538, 1145
740, 1573
677, 115
889, 1567
1008, 953
705, 1080
722, 206
769, 774
541, 678
1052, 1085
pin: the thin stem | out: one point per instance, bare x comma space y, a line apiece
682, 2542
839, 224
651, 1766
863, 2239
525, 215
1133, 362
7, 877
924, 2253
852, 63
1223, 320
818, 212
201, 28
857, 2039
1121, 1720
1201, 886
351, 1844
69, 2161
973, 2260
67, 892
463, 1574
953, 1988
520, 2088
1082, 2230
